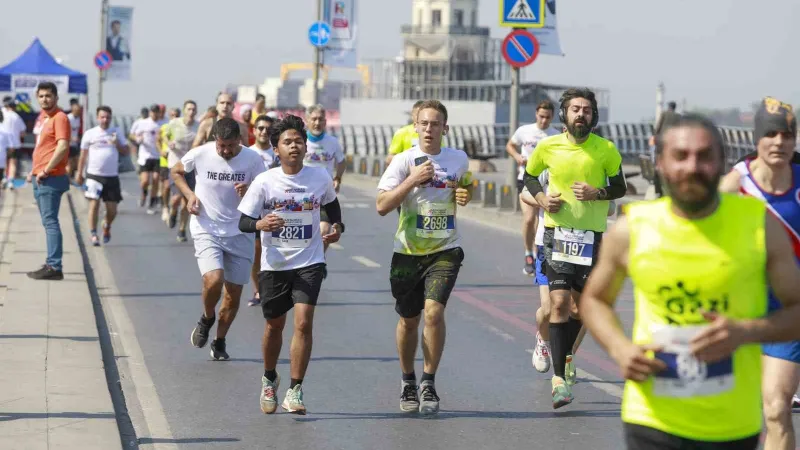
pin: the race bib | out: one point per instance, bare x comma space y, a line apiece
436, 220
93, 189
573, 246
297, 230
685, 376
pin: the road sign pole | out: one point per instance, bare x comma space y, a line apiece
317, 60
103, 27
513, 120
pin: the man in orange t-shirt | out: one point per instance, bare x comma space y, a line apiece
49, 177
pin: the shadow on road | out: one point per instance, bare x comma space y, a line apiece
445, 415
44, 336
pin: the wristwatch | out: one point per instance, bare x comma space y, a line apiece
602, 194
341, 225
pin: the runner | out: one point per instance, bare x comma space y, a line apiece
406, 137
526, 137
427, 182
285, 204
180, 136
6, 144
772, 178
145, 134
144, 113
579, 165
264, 148
163, 163
14, 126
100, 150
224, 109
75, 117
223, 171
699, 262
324, 150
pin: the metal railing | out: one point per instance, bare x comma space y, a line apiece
445, 30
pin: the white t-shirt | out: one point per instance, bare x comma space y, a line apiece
183, 136
544, 179
75, 128
215, 177
103, 154
148, 129
325, 153
267, 155
6, 142
428, 213
526, 137
297, 199
14, 126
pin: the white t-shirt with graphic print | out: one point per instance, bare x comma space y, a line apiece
325, 153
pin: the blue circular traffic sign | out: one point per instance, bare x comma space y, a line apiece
319, 34
520, 48
102, 60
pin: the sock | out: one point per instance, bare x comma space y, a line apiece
144, 192
295, 382
559, 338
574, 327
412, 377
208, 320
271, 375
427, 377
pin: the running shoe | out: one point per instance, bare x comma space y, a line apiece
541, 355
95, 239
530, 266
795, 401
269, 394
200, 333
106, 233
165, 215
173, 220
429, 403
181, 236
562, 396
570, 373
409, 397
293, 402
218, 352
255, 301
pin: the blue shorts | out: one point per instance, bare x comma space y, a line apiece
790, 351
541, 278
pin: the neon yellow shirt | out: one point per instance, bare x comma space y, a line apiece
165, 129
404, 139
591, 162
678, 268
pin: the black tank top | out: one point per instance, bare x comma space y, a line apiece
211, 136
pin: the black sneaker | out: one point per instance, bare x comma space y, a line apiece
46, 273
200, 333
218, 350
409, 397
430, 401
181, 236
173, 220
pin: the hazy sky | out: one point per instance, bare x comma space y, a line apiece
716, 53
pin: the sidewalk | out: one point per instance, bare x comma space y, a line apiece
53, 389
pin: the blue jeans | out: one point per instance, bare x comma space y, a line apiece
48, 199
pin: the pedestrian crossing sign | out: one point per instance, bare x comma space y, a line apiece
522, 13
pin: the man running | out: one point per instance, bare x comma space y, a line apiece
144, 113
406, 137
579, 165
15, 127
427, 182
324, 150
285, 204
163, 163
180, 136
100, 150
223, 171
265, 149
224, 110
525, 138
146, 135
772, 178
699, 262
75, 118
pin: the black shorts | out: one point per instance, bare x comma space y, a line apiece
164, 172
563, 275
323, 215
151, 165
13, 153
638, 437
520, 186
280, 290
415, 279
112, 190
74, 151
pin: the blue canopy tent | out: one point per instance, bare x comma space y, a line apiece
36, 60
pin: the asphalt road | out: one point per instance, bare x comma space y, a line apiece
491, 397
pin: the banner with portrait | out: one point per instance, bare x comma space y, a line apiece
119, 32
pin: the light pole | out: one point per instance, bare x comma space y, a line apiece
103, 29
317, 61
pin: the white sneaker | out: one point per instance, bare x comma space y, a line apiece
269, 394
541, 355
795, 401
165, 214
293, 402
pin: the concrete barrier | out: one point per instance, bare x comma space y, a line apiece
350, 163
489, 194
507, 197
377, 167
477, 191
362, 165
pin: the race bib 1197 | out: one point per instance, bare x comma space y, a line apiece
573, 246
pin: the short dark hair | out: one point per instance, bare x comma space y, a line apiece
226, 129
260, 97
116, 22
546, 105
434, 104
47, 86
264, 118
672, 106
290, 122
74, 101
144, 111
573, 93
189, 102
693, 120
155, 108
1, 116
104, 108
417, 104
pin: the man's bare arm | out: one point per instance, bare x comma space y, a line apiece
178, 174
202, 133
731, 182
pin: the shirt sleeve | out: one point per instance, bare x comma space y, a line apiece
121, 137
536, 164
188, 160
62, 127
516, 138
395, 174
253, 200
85, 141
330, 193
338, 153
613, 162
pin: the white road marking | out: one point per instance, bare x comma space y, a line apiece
599, 383
341, 197
336, 246
365, 261
506, 337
